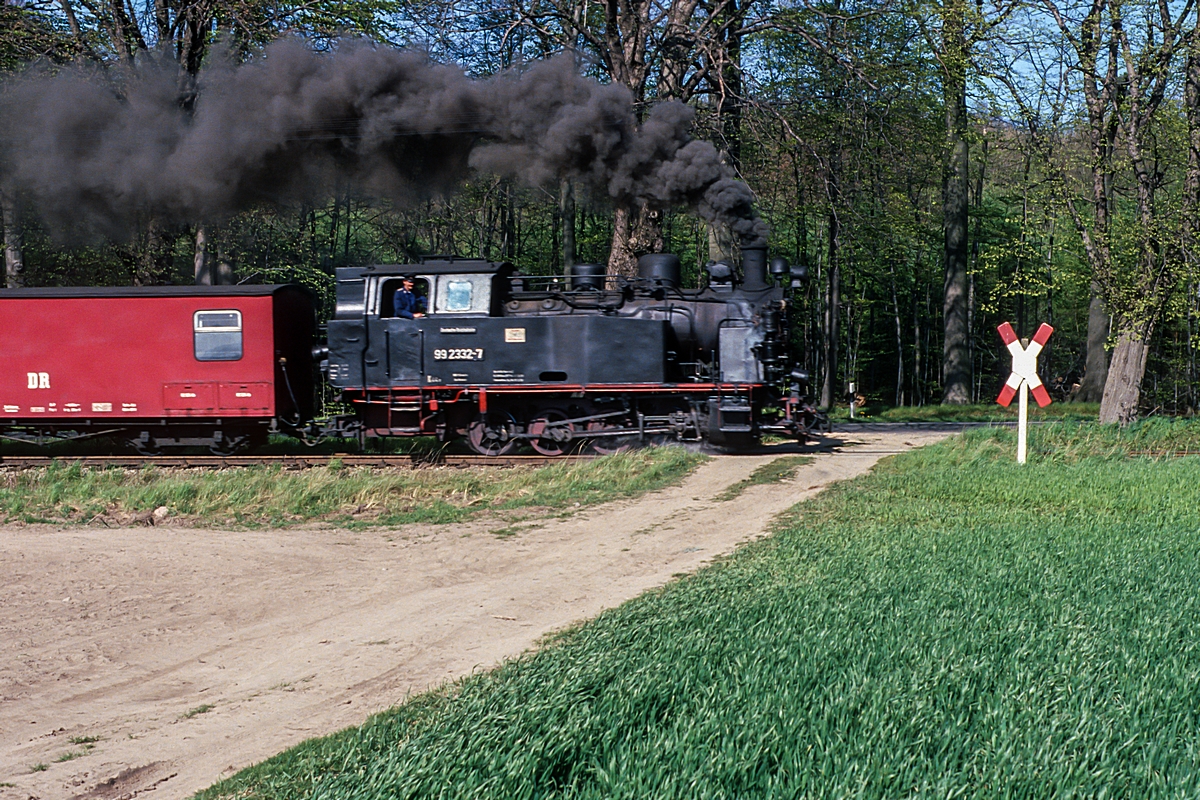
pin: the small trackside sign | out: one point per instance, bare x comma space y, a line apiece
514, 334
1024, 378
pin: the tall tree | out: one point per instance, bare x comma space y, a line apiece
1125, 68
955, 31
955, 58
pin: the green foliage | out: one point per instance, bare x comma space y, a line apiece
952, 625
26, 35
272, 496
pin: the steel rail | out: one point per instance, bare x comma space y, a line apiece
289, 462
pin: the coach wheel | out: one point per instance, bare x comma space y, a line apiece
491, 434
145, 445
607, 445
230, 444
553, 440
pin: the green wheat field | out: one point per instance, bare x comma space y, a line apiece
951, 625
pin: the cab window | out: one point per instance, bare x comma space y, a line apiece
387, 294
458, 295
217, 335
463, 294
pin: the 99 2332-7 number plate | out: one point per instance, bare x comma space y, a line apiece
458, 354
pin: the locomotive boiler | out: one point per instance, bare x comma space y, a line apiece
502, 358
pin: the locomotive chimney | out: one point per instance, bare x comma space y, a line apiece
754, 269
662, 269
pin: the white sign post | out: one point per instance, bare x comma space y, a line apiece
1024, 377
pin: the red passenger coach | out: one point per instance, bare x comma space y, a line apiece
218, 366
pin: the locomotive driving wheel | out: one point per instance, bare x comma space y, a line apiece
491, 434
549, 438
607, 445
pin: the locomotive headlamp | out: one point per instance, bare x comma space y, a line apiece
800, 376
799, 273
779, 266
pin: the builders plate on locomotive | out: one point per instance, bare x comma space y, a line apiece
458, 354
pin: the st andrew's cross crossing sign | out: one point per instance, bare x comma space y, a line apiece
1024, 364
1024, 377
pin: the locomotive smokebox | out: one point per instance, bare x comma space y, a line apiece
663, 269
588, 276
754, 269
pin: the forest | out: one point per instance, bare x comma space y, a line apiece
939, 166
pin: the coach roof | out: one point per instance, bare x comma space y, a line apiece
248, 290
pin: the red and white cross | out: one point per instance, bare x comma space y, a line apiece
1024, 367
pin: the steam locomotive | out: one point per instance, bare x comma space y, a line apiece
500, 359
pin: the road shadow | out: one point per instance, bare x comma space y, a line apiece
825, 443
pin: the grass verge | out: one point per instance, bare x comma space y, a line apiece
990, 412
952, 625
781, 469
358, 496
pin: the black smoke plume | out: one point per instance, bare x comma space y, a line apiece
95, 152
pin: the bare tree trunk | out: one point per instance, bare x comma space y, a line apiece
918, 384
973, 391
154, 261
1122, 390
566, 212
635, 232
829, 388
224, 271
956, 361
1095, 370
720, 242
14, 252
899, 341
202, 265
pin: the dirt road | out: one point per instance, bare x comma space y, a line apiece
175, 656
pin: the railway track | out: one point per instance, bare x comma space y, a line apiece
290, 462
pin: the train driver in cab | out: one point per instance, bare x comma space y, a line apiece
406, 303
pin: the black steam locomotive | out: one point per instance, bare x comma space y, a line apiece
502, 358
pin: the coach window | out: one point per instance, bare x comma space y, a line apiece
217, 335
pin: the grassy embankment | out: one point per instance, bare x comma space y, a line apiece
952, 625
986, 412
353, 496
